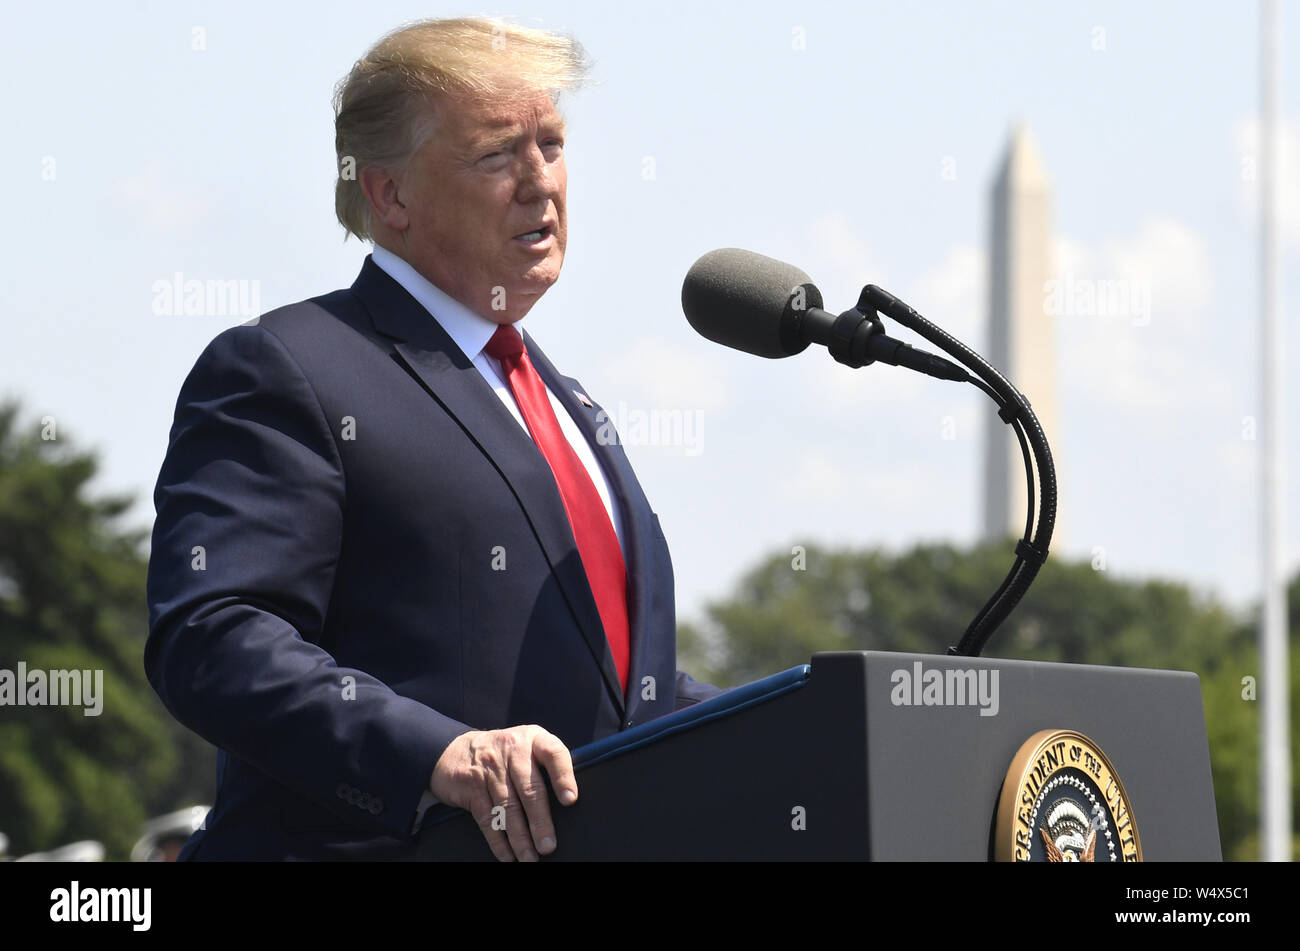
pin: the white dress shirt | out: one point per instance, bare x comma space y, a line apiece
471, 333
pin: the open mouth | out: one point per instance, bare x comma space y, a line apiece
532, 237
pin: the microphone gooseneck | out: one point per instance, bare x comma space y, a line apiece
772, 309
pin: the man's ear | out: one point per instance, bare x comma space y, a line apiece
380, 188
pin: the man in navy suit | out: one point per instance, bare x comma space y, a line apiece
366, 586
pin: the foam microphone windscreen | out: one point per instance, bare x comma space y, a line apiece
748, 302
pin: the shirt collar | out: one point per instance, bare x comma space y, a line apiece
468, 330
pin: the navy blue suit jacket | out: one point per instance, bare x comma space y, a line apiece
359, 555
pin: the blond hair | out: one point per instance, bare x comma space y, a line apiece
383, 107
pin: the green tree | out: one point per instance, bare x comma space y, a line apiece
72, 598
799, 601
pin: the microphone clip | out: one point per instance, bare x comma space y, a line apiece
850, 337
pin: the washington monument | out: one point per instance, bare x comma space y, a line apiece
1022, 338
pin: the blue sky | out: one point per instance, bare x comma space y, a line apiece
816, 133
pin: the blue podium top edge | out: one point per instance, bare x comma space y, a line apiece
725, 704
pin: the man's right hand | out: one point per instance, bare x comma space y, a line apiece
483, 769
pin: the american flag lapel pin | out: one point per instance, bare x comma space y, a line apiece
582, 398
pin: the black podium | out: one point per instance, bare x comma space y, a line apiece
883, 756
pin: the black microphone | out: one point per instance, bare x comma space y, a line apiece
766, 307
748, 302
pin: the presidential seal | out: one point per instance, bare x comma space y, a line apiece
1062, 801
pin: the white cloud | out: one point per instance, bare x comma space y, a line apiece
1175, 260
845, 262
656, 374
1073, 257
1134, 329
954, 295
951, 295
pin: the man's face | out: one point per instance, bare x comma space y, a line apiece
492, 173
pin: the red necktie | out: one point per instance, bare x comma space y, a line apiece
594, 532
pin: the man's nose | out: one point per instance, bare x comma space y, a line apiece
537, 177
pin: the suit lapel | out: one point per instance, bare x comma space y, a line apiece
447, 374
